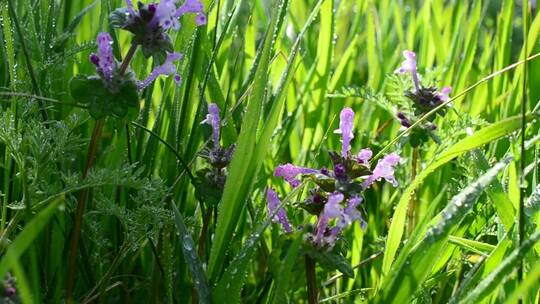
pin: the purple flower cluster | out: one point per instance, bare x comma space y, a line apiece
218, 157
212, 118
338, 193
409, 66
424, 99
104, 59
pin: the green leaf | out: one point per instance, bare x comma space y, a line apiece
86, 89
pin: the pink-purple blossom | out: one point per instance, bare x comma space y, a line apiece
167, 14
212, 118
346, 124
409, 66
167, 68
195, 7
289, 172
444, 94
332, 210
384, 169
104, 59
273, 203
364, 156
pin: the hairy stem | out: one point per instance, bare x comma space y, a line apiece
311, 280
411, 212
81, 204
204, 232
83, 195
522, 161
127, 59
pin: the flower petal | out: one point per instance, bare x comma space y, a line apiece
346, 124
272, 203
289, 172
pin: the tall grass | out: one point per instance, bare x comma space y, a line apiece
280, 71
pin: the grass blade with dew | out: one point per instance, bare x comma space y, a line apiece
407, 275
478, 139
498, 275
192, 260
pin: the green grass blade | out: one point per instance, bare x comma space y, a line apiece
498, 275
480, 138
237, 186
407, 276
27, 237
190, 255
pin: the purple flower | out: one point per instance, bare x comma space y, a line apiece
350, 214
444, 93
332, 209
104, 59
346, 124
130, 8
403, 120
409, 66
289, 172
273, 203
165, 15
192, 6
340, 172
364, 156
167, 68
384, 169
212, 118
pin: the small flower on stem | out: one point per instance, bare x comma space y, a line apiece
384, 169
212, 118
104, 59
167, 68
273, 203
409, 66
195, 7
364, 156
346, 123
289, 172
332, 209
444, 94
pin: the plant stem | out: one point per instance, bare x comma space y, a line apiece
311, 280
127, 59
411, 213
81, 204
204, 232
522, 161
83, 195
128, 144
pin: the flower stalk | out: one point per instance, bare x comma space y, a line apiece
411, 213
83, 195
311, 280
